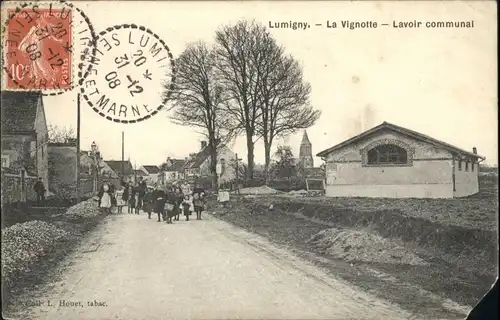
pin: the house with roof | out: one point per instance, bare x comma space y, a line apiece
171, 170
152, 172
24, 133
395, 162
113, 170
139, 175
199, 164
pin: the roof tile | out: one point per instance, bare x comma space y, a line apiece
19, 110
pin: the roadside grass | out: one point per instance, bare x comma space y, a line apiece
457, 237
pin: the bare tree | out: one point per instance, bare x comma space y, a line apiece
241, 61
197, 99
284, 106
61, 134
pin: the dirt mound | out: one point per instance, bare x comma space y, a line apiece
259, 190
351, 245
302, 191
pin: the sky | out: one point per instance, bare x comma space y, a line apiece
440, 82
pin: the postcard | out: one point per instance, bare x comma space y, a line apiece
248, 159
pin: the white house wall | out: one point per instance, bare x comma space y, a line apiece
229, 172
152, 177
171, 176
429, 175
466, 182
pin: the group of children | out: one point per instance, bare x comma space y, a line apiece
168, 203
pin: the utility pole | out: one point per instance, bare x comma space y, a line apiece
78, 148
135, 172
123, 156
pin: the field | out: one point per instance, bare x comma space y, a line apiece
376, 243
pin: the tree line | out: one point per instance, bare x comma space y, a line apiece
245, 84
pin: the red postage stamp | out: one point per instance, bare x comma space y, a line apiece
38, 48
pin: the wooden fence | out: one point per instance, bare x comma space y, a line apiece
17, 187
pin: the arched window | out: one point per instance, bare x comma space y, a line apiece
387, 154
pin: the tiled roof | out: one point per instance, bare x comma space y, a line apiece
197, 160
19, 110
140, 173
151, 169
176, 165
116, 166
404, 131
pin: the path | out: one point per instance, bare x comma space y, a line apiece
141, 269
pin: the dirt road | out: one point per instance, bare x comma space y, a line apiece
133, 268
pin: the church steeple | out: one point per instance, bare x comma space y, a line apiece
305, 139
305, 153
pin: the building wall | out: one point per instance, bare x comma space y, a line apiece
149, 177
190, 173
152, 177
18, 150
437, 191
466, 179
228, 173
429, 174
170, 176
62, 172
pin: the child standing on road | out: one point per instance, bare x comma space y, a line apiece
179, 199
131, 200
105, 198
119, 200
199, 204
148, 202
187, 205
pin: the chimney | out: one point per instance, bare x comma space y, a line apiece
203, 144
474, 150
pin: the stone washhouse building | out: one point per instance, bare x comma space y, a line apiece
394, 162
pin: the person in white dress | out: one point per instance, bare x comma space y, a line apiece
120, 203
105, 199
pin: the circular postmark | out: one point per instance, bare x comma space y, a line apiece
44, 44
132, 76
